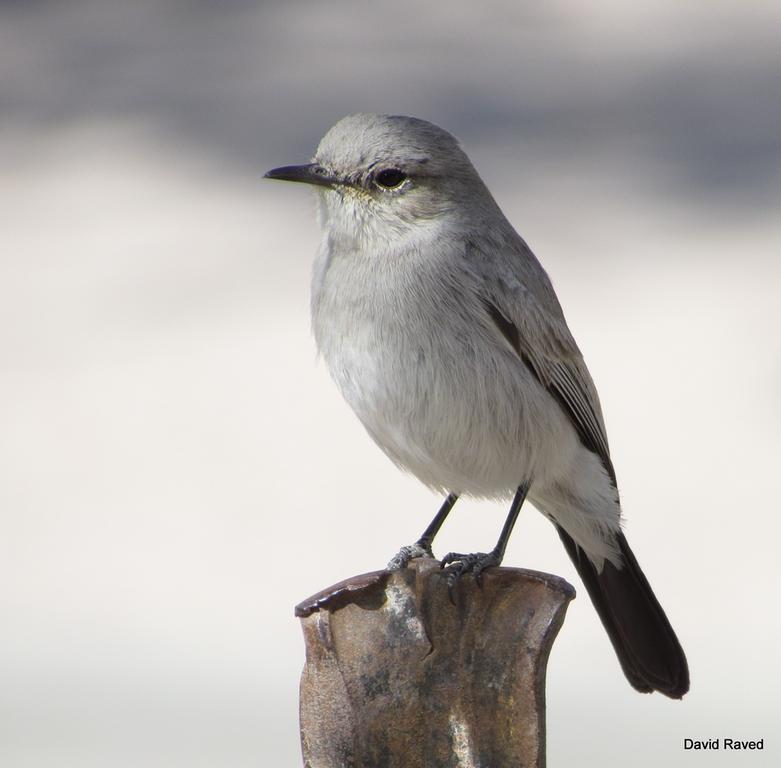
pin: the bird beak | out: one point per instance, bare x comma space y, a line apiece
308, 174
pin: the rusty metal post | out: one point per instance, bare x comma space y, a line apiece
398, 676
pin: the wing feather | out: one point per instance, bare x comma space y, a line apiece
525, 310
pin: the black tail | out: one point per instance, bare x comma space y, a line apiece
649, 651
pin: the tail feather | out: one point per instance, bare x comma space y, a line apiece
646, 645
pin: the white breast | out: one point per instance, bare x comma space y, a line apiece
418, 360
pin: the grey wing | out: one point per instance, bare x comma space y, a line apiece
530, 319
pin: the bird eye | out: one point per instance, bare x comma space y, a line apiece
390, 178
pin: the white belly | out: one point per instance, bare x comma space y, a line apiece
443, 395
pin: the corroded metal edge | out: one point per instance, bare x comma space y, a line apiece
368, 589
556, 583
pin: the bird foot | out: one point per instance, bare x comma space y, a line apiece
405, 554
457, 564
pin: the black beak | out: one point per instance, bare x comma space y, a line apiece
308, 174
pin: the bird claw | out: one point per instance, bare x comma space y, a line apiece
456, 564
410, 552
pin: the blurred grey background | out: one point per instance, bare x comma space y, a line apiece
176, 469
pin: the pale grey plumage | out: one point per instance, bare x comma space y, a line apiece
399, 312
444, 334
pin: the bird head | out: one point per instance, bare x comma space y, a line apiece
388, 176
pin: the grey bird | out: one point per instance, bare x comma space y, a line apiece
445, 336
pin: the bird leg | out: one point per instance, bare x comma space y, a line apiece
458, 563
422, 547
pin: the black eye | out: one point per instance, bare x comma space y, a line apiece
390, 178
